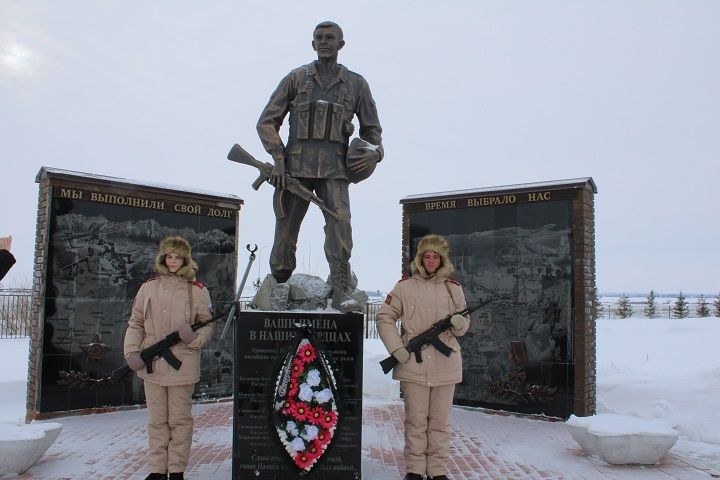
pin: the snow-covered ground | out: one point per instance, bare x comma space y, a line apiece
13, 378
664, 369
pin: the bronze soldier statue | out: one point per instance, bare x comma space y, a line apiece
322, 98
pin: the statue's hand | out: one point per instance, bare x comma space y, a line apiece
277, 176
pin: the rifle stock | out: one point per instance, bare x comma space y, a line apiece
240, 155
292, 185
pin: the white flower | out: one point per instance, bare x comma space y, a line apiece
311, 432
297, 444
306, 392
313, 378
292, 429
323, 395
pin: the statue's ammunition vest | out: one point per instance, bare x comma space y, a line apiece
321, 115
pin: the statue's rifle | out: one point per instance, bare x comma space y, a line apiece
292, 185
430, 337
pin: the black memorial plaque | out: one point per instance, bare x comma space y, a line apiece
261, 341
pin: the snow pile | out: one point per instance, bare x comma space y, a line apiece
665, 369
13, 431
610, 424
620, 440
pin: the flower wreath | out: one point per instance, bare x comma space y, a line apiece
306, 413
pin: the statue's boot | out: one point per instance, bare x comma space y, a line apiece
340, 282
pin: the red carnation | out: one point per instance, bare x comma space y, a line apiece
300, 411
316, 416
323, 438
304, 459
289, 406
315, 448
292, 389
307, 353
328, 419
298, 368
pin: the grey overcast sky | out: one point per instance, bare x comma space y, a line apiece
471, 94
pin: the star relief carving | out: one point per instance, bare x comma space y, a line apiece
95, 350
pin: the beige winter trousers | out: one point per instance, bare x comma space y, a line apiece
170, 427
427, 427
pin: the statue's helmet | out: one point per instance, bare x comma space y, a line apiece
359, 150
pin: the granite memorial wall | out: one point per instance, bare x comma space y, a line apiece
531, 249
100, 237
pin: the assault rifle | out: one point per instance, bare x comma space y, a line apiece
431, 337
292, 185
161, 349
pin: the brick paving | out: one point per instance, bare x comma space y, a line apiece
111, 446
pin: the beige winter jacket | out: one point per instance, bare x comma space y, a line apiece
161, 306
418, 303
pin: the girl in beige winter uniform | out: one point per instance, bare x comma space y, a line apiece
428, 387
169, 302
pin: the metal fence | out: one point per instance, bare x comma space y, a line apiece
15, 312
371, 310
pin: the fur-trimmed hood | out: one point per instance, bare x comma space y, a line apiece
181, 247
439, 245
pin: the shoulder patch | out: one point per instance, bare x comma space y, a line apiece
200, 285
454, 281
388, 299
151, 279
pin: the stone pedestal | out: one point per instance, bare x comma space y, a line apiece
262, 339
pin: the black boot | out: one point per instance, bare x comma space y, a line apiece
439, 477
157, 476
413, 476
176, 476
